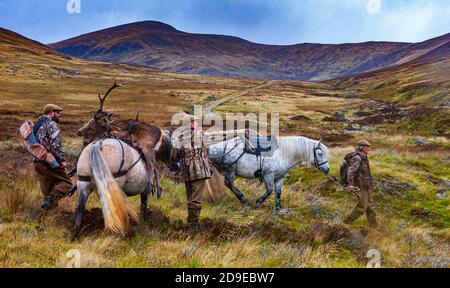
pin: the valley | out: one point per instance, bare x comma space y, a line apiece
402, 110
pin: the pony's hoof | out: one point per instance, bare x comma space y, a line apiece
258, 203
159, 193
246, 204
143, 215
282, 211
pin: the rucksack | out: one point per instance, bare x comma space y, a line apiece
343, 171
32, 145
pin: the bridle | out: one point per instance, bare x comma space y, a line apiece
317, 164
316, 161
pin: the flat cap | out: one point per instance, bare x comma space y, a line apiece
363, 143
52, 107
190, 118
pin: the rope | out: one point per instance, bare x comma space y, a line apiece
353, 191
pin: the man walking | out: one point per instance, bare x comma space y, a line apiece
195, 165
359, 179
54, 182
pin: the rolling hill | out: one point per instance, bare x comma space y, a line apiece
159, 45
306, 234
12, 39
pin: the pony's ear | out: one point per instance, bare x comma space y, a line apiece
320, 141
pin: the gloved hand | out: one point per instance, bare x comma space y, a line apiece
72, 172
354, 190
176, 168
72, 191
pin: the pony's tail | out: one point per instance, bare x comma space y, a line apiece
116, 212
214, 187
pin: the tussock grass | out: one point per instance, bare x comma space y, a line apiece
229, 235
31, 238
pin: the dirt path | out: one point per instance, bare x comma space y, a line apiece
241, 93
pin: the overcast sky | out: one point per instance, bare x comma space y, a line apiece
262, 21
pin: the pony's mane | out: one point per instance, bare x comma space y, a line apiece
301, 148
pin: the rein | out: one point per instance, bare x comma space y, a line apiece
317, 164
355, 191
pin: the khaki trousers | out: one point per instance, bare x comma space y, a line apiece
194, 193
53, 182
364, 206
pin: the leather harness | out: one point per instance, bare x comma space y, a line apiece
121, 171
316, 161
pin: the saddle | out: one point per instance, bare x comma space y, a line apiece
258, 145
261, 146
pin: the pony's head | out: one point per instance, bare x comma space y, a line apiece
307, 151
321, 154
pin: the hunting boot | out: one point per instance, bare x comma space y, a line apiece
193, 215
371, 218
356, 213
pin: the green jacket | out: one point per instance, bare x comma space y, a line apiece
359, 171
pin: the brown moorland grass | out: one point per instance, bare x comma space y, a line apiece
414, 222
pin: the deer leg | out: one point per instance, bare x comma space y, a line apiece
144, 200
149, 167
154, 173
159, 189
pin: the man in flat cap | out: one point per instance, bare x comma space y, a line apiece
54, 182
196, 167
359, 179
190, 145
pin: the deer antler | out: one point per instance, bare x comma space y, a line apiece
102, 99
137, 116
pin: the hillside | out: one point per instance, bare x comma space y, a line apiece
410, 194
159, 45
423, 81
13, 40
31, 74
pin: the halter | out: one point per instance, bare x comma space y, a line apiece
316, 162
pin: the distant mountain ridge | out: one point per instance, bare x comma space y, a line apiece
159, 45
422, 79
